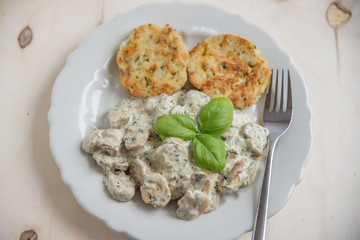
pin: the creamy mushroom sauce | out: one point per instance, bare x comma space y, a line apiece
133, 156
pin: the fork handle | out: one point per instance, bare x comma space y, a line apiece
262, 208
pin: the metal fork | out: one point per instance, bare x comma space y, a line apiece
277, 118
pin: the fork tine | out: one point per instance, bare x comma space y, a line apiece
273, 89
278, 90
289, 98
285, 90
268, 93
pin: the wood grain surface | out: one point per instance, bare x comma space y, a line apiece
321, 36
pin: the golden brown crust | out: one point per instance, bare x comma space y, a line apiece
229, 66
153, 61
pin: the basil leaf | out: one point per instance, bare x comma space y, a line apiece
209, 152
216, 117
176, 125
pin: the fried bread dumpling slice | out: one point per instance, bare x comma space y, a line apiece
120, 186
155, 190
229, 66
153, 61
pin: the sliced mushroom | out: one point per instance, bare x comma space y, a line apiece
108, 140
127, 112
240, 118
192, 205
256, 138
192, 102
138, 169
242, 173
136, 136
159, 106
155, 190
178, 110
214, 200
146, 149
235, 141
237, 168
175, 182
173, 153
198, 181
231, 134
108, 162
175, 141
194, 98
120, 186
118, 119
171, 159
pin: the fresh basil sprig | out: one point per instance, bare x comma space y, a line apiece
176, 125
214, 119
209, 152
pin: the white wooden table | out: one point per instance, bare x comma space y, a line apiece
325, 205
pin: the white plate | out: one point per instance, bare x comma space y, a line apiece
88, 86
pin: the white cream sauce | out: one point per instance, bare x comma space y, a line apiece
133, 156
